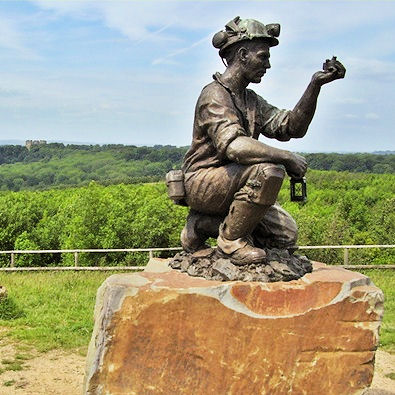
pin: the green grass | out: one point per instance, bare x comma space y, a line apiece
14, 365
385, 280
50, 310
9, 309
55, 310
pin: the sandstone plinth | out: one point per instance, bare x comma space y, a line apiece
164, 332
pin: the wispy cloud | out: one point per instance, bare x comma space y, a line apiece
104, 66
10, 93
381, 70
165, 59
138, 21
372, 115
13, 38
154, 34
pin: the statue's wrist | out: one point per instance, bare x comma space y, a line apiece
287, 157
316, 83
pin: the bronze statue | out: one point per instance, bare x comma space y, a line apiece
231, 179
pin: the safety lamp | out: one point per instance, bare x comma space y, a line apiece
298, 189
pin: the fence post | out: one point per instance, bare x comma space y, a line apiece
345, 256
12, 259
76, 259
151, 255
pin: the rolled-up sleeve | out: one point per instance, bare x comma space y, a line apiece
273, 122
217, 115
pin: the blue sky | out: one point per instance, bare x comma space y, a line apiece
130, 71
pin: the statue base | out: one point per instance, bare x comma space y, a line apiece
165, 332
280, 265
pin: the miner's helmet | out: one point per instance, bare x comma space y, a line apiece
245, 29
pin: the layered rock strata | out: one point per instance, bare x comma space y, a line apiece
164, 332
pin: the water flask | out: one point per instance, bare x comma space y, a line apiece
175, 185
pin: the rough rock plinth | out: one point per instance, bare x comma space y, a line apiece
164, 332
281, 265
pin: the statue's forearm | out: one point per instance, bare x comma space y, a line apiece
303, 113
247, 151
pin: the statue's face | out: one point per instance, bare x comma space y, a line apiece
256, 61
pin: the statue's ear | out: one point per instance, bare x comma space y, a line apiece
242, 54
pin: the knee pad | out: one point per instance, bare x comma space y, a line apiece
267, 183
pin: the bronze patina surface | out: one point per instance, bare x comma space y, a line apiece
231, 180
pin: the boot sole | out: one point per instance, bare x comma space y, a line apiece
236, 262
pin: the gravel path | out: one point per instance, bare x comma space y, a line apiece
61, 373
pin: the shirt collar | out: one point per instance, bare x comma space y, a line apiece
218, 77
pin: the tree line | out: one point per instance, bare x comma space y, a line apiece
57, 165
342, 208
356, 163
46, 152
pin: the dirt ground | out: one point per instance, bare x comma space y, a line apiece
61, 373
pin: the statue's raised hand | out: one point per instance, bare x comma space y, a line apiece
332, 70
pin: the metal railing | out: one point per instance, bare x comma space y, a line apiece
76, 253
151, 251
350, 247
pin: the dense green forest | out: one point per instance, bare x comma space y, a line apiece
57, 165
343, 208
356, 163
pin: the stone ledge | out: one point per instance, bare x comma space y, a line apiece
164, 332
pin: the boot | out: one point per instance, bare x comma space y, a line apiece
240, 251
234, 240
198, 228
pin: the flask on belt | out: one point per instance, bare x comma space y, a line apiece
175, 185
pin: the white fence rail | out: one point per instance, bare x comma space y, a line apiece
151, 251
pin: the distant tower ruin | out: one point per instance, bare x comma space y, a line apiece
29, 143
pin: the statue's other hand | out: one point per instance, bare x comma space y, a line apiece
334, 72
296, 166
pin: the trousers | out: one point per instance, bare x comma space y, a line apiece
211, 191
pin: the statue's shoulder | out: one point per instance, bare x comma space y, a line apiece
214, 87
214, 91
253, 97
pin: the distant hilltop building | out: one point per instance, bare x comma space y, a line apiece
30, 143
